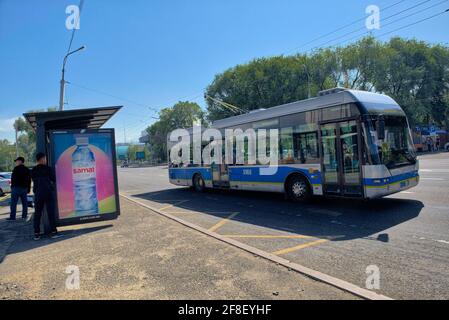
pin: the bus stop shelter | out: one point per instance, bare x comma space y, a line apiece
80, 119
44, 122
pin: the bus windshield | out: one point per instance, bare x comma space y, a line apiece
397, 148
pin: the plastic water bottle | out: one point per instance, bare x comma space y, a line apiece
84, 178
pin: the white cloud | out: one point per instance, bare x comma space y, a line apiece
7, 129
7, 125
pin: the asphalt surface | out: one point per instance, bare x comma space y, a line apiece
142, 255
405, 235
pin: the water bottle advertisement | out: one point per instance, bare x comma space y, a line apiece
86, 179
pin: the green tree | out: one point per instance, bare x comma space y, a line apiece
7, 155
263, 83
27, 136
414, 73
417, 76
182, 115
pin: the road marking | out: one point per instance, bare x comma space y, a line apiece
407, 192
5, 197
435, 170
316, 275
267, 237
223, 222
300, 247
198, 212
434, 240
174, 204
436, 207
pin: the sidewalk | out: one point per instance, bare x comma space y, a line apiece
142, 256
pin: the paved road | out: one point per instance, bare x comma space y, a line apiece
405, 235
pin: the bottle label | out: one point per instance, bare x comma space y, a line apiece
84, 173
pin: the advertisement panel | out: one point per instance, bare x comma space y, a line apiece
86, 175
140, 155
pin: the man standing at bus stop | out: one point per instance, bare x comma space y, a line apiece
20, 187
43, 188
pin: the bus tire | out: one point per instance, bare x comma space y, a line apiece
198, 183
298, 189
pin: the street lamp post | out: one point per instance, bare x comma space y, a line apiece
62, 84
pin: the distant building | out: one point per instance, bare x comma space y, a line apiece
144, 137
121, 150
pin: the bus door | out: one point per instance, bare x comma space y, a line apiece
220, 172
340, 158
220, 175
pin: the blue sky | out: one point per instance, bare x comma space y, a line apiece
156, 52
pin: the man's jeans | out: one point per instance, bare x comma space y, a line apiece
44, 201
16, 193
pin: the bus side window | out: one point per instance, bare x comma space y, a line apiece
286, 146
306, 148
311, 147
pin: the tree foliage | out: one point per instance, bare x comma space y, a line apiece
26, 139
7, 155
414, 73
182, 115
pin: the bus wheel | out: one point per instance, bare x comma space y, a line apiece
298, 189
198, 183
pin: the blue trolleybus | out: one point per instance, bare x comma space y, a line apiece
343, 143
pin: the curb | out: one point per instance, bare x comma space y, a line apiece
316, 275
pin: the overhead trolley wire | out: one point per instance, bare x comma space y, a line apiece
388, 24
343, 27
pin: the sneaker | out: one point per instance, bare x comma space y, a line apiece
37, 237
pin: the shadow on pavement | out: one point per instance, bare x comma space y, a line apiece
334, 219
17, 237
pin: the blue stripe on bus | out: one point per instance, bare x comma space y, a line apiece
252, 174
188, 173
381, 182
247, 174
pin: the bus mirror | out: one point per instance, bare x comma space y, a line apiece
380, 128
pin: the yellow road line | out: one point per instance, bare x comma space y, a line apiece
267, 237
223, 222
338, 283
174, 204
202, 212
300, 247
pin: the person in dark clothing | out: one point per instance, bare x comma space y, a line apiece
20, 187
438, 143
44, 189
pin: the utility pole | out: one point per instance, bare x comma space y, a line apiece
346, 79
61, 92
309, 95
124, 132
17, 140
63, 82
